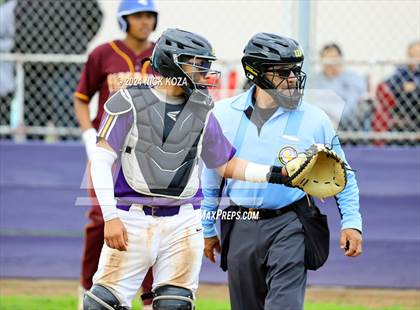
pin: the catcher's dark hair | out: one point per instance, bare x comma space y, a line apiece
332, 46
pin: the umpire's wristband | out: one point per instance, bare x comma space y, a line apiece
275, 175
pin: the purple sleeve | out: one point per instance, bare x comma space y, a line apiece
217, 149
114, 129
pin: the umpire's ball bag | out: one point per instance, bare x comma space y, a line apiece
226, 226
317, 234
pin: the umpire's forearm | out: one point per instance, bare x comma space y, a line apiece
209, 206
348, 203
348, 200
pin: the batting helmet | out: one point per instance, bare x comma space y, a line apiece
128, 7
174, 47
265, 52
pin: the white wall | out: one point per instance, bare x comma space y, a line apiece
227, 24
367, 30
370, 30
376, 32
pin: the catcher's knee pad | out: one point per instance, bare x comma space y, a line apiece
101, 298
170, 297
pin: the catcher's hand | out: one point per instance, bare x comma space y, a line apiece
319, 171
115, 234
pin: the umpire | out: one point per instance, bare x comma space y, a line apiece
267, 257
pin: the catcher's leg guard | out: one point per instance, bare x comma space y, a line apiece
170, 297
101, 298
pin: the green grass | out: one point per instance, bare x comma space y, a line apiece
70, 303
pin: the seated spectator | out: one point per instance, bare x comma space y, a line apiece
398, 107
348, 85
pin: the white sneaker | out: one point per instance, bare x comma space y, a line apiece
81, 294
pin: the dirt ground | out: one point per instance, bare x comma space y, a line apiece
370, 298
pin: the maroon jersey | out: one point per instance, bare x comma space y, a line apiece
110, 67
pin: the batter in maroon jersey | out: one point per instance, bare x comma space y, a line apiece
110, 67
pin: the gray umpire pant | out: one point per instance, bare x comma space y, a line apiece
266, 264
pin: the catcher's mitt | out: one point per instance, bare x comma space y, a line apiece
319, 171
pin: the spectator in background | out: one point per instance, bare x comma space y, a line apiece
398, 97
7, 74
348, 85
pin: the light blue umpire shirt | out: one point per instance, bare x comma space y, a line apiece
282, 136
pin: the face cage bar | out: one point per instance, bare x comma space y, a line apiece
212, 75
299, 75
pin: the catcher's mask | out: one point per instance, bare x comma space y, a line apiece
274, 63
185, 55
197, 70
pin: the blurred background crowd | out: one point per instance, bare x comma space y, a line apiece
363, 64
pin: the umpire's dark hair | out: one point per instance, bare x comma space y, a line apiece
332, 46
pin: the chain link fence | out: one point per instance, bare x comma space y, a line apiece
42, 59
380, 72
49, 42
366, 112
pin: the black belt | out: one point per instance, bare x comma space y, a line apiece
157, 210
264, 214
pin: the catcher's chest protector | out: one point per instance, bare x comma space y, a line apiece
167, 168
